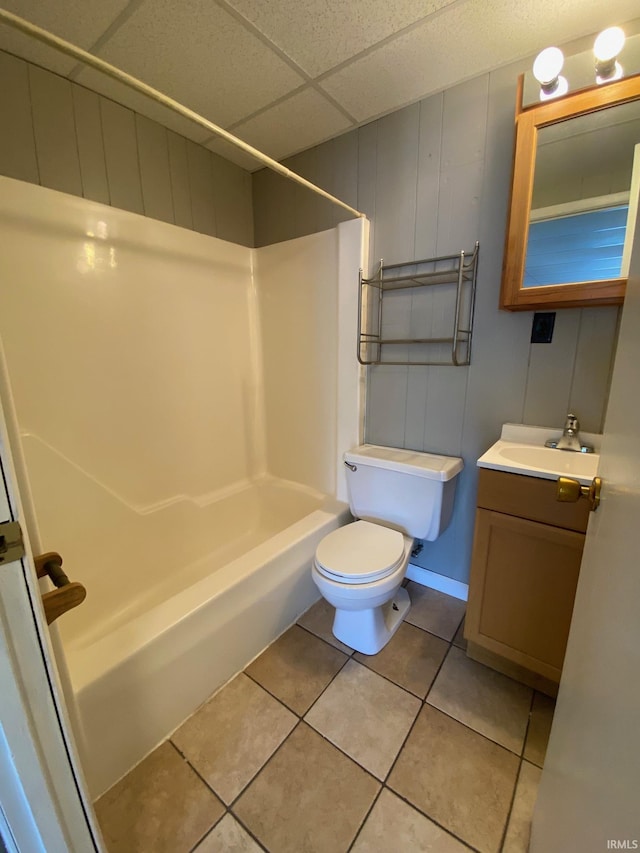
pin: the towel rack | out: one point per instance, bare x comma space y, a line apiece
458, 272
66, 595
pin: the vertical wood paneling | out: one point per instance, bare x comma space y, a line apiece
93, 147
55, 131
309, 209
17, 142
367, 169
274, 206
93, 169
385, 424
201, 185
121, 153
343, 178
428, 190
232, 194
396, 184
155, 177
551, 369
593, 366
179, 174
425, 241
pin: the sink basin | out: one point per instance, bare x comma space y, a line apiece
530, 458
563, 462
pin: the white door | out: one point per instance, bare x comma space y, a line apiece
44, 804
589, 797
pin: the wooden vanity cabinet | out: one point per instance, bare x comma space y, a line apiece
525, 566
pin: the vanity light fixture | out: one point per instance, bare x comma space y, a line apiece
606, 49
546, 69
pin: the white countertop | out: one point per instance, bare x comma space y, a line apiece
521, 450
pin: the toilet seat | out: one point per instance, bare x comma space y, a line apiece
360, 553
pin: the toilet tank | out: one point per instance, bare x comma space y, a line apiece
403, 489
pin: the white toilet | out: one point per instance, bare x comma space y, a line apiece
396, 496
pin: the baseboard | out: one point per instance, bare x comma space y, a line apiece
443, 584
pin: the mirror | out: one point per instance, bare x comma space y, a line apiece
574, 199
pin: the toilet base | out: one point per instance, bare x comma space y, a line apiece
368, 631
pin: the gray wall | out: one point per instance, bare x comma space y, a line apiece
58, 134
433, 178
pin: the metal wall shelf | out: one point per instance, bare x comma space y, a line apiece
457, 272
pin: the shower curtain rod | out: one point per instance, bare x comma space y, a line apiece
111, 71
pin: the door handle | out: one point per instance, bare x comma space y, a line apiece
66, 594
570, 491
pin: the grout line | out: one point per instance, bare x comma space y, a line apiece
365, 818
424, 701
246, 787
227, 808
273, 695
204, 781
517, 780
432, 819
318, 637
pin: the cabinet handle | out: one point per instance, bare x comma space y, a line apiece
570, 491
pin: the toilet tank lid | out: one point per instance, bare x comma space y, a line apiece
419, 464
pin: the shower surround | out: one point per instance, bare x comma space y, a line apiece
184, 403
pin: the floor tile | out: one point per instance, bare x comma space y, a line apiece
228, 837
458, 778
309, 797
459, 639
411, 659
535, 747
394, 825
484, 700
229, 739
297, 668
365, 716
319, 620
519, 829
434, 611
161, 806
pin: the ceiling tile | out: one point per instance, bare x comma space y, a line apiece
235, 155
304, 119
81, 22
465, 41
199, 54
122, 94
320, 34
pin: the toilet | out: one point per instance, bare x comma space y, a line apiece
395, 496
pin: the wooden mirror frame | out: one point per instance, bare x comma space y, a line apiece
529, 120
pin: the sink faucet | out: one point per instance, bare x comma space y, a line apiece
570, 439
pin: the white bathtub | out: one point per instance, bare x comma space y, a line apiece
180, 595
137, 682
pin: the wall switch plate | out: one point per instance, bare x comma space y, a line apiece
542, 327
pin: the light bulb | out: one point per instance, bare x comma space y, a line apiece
561, 87
548, 64
608, 44
613, 71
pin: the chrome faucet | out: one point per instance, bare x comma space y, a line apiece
570, 439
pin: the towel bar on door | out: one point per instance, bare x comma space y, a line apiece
66, 595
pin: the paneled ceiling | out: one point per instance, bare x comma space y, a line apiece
288, 74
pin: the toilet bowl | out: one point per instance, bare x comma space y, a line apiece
395, 496
359, 569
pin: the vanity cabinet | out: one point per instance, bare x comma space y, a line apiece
525, 566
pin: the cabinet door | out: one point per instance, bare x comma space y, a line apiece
523, 582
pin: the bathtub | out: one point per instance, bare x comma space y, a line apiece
180, 596
137, 682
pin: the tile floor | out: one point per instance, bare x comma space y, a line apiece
316, 748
